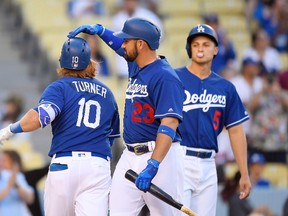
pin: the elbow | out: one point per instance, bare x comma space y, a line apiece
170, 122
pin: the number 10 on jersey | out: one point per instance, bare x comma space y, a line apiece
85, 114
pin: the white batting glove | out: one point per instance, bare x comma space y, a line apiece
5, 133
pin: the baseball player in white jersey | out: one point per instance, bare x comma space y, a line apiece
85, 120
211, 103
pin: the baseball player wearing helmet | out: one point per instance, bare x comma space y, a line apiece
153, 110
84, 118
211, 103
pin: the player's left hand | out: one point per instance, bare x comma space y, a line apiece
5, 133
143, 181
88, 29
245, 187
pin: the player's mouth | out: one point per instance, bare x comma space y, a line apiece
200, 55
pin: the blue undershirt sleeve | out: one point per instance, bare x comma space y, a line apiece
112, 41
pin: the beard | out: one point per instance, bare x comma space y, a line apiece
131, 56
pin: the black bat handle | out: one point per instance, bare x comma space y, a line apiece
159, 193
156, 191
131, 175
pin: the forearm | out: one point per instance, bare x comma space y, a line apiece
26, 196
112, 41
30, 121
5, 192
239, 147
163, 144
163, 141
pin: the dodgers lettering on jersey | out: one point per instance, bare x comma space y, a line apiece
210, 104
88, 115
203, 101
154, 92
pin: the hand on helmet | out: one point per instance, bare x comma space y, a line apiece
88, 29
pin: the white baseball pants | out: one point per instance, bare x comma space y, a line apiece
127, 200
82, 189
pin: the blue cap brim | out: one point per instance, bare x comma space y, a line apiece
123, 35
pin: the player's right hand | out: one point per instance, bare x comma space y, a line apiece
88, 29
143, 181
5, 133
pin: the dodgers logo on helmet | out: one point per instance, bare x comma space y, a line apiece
200, 29
137, 28
75, 54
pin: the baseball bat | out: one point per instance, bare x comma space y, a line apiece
160, 194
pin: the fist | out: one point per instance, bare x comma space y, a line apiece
88, 29
143, 181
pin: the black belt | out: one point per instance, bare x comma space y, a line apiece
199, 154
138, 149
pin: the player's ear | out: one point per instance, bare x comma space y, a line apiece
142, 43
216, 51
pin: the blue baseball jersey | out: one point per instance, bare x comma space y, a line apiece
210, 104
87, 115
154, 92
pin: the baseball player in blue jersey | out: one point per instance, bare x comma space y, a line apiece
85, 120
153, 110
211, 103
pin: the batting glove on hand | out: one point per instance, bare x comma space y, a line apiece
88, 29
5, 133
143, 181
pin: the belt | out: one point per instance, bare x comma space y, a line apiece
199, 154
80, 154
138, 149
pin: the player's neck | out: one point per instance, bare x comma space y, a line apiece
201, 71
144, 59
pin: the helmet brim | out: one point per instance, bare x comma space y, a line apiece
123, 35
189, 39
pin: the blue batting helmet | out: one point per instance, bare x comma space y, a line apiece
137, 28
200, 29
75, 54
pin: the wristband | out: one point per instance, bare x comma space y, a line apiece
154, 163
167, 130
16, 128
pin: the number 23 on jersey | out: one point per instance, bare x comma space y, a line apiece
143, 113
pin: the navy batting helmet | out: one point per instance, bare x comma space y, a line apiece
75, 54
137, 28
200, 29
